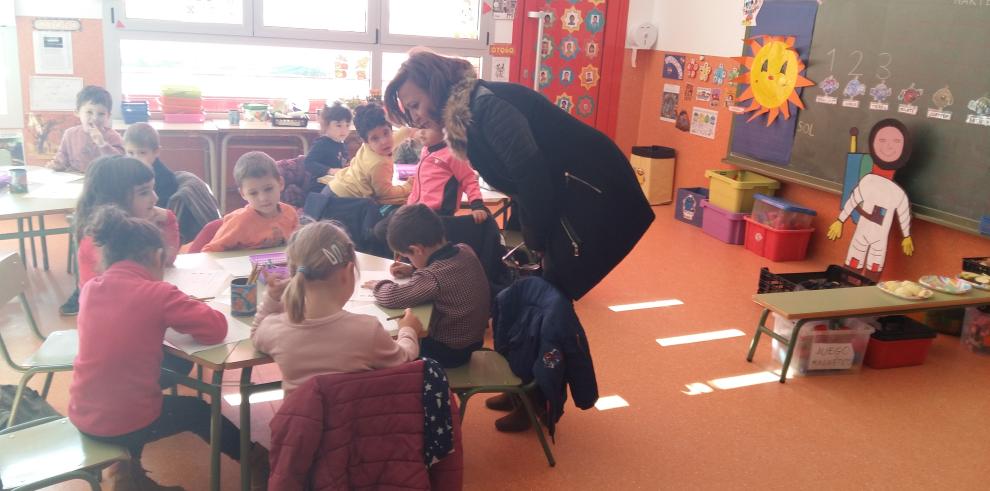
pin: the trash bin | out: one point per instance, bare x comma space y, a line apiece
654, 168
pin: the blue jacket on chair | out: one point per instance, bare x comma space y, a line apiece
538, 332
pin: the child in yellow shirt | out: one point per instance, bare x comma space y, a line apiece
370, 173
264, 221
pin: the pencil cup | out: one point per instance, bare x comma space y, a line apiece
243, 297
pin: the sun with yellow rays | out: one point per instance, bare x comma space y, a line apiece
773, 77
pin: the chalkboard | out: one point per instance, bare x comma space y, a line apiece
931, 44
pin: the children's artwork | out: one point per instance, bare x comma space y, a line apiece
907, 98
691, 68
703, 94
981, 108
595, 20
688, 91
871, 197
942, 98
571, 20
828, 86
732, 76
546, 47
774, 76
854, 88
546, 74
585, 106
719, 76
673, 67
592, 48
704, 70
568, 48
500, 69
54, 93
683, 121
566, 76
716, 97
504, 9
751, 8
238, 329
589, 76
879, 93
668, 103
43, 133
201, 284
704, 122
565, 102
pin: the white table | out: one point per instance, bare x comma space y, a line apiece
49, 193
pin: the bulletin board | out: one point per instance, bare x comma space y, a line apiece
920, 61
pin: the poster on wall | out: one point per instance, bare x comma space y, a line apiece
53, 52
42, 134
704, 122
500, 69
504, 9
668, 103
673, 67
54, 93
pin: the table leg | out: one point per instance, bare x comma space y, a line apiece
34, 253
20, 240
245, 429
756, 337
215, 401
791, 344
44, 241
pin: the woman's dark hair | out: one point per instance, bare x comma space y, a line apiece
368, 117
122, 236
433, 73
336, 112
109, 180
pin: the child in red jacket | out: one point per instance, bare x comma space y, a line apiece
114, 395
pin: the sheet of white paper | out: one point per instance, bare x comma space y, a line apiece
236, 266
391, 326
199, 283
224, 296
362, 294
53, 52
54, 93
66, 190
41, 177
238, 329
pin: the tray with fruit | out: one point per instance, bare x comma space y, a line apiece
908, 290
978, 280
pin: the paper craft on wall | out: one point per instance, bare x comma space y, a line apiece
774, 74
704, 122
871, 197
751, 8
673, 67
668, 103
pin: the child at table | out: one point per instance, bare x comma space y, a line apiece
141, 142
442, 178
129, 184
264, 221
449, 275
370, 173
92, 137
302, 323
328, 151
114, 395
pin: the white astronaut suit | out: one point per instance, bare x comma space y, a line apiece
877, 199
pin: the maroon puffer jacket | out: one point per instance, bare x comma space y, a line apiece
359, 431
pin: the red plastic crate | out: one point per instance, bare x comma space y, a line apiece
777, 245
899, 342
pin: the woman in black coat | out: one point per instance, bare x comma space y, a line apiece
579, 201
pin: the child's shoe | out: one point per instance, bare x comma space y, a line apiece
501, 402
71, 306
514, 422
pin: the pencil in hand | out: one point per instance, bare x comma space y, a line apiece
394, 317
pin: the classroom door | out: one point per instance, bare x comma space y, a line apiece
570, 53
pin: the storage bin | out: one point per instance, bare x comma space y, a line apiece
687, 207
777, 245
182, 102
820, 350
177, 90
723, 225
834, 276
781, 214
134, 112
946, 321
733, 190
184, 118
976, 330
899, 342
654, 168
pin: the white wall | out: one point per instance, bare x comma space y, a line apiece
73, 9
709, 27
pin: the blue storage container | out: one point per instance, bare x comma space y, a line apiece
688, 205
134, 112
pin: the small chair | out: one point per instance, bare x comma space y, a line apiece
51, 450
489, 372
205, 236
59, 348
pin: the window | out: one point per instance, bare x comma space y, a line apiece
319, 50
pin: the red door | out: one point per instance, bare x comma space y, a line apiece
576, 50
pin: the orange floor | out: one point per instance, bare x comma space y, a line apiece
922, 427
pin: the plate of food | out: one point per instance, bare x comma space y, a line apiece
945, 284
978, 280
908, 290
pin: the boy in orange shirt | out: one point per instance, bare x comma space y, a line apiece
264, 221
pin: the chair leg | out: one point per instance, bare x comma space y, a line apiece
44, 241
20, 241
34, 252
17, 396
536, 425
48, 384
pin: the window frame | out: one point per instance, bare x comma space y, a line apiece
485, 29
370, 36
118, 12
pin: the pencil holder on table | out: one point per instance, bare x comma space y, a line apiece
243, 297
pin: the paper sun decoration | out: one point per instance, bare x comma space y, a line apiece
774, 74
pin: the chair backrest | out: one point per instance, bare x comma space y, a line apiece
358, 216
205, 235
14, 277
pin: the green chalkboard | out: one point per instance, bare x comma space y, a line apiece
932, 44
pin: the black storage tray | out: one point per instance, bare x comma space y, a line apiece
833, 277
973, 265
900, 328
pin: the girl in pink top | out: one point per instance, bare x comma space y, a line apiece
302, 323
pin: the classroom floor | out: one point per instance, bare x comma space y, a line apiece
923, 427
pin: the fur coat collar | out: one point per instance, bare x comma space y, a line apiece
457, 116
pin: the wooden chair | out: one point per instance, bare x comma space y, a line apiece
489, 372
58, 349
51, 450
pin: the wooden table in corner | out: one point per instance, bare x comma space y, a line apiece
838, 303
241, 354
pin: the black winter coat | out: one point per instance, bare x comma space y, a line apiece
579, 200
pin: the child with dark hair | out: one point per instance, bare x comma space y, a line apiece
141, 142
115, 395
371, 169
328, 151
448, 275
92, 137
264, 221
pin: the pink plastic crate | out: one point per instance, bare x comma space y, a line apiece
723, 224
184, 118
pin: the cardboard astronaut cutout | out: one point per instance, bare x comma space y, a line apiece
871, 197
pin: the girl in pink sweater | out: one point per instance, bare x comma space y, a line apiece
302, 323
115, 394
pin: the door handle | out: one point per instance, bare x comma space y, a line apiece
538, 15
